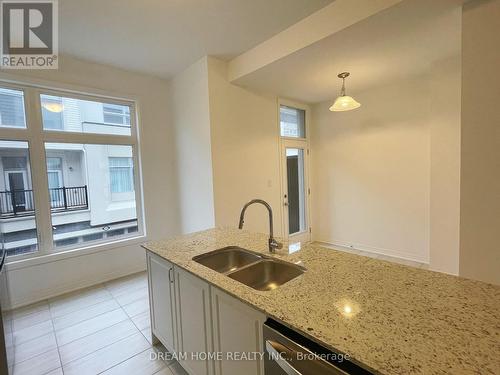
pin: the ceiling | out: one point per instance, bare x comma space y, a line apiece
400, 41
162, 37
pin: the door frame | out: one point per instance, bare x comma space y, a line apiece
24, 173
7, 180
304, 143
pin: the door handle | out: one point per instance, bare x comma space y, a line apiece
284, 357
170, 274
278, 353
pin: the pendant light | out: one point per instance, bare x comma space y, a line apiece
344, 102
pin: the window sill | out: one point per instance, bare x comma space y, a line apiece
73, 253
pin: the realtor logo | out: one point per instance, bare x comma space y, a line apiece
29, 34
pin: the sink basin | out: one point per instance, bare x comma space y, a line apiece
227, 259
267, 274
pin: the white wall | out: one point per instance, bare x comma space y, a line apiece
371, 171
480, 173
30, 283
226, 149
191, 119
444, 121
245, 153
386, 176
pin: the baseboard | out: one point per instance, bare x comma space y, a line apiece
75, 285
343, 245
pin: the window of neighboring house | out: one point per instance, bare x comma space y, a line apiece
121, 174
116, 114
12, 108
85, 180
52, 112
292, 122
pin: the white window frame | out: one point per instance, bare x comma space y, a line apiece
36, 137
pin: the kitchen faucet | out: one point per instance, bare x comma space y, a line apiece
273, 244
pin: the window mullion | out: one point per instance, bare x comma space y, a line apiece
89, 138
39, 171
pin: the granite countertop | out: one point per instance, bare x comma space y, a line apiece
391, 318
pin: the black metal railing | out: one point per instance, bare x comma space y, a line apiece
20, 202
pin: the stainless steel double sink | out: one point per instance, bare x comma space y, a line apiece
252, 269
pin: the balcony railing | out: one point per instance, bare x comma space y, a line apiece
20, 202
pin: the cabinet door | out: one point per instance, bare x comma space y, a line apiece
161, 300
237, 329
193, 323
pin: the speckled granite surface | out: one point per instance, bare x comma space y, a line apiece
392, 318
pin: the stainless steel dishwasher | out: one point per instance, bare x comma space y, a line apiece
288, 352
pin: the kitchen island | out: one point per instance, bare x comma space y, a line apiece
391, 318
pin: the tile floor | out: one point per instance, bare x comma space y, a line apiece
100, 330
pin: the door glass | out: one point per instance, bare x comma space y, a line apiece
296, 196
54, 180
18, 233
54, 176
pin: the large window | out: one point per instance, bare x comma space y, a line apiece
78, 168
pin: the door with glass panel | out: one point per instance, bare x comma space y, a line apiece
296, 191
16, 182
294, 156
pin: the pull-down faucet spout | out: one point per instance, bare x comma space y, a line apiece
273, 244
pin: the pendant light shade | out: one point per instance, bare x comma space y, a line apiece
344, 102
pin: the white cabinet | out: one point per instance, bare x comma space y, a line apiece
237, 329
206, 327
161, 300
194, 326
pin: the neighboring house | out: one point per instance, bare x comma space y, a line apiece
91, 186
